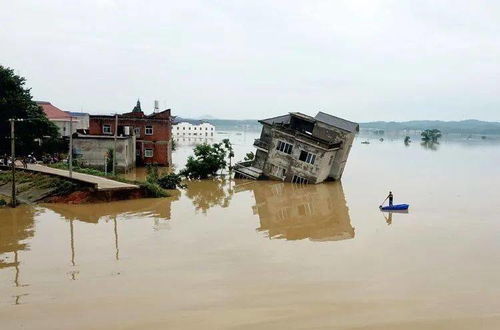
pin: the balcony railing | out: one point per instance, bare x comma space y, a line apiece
308, 137
261, 144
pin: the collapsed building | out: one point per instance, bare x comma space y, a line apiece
301, 149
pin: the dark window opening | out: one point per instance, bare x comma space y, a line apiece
284, 147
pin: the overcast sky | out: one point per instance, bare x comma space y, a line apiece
362, 60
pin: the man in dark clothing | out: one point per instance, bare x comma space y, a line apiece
391, 198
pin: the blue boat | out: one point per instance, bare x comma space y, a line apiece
395, 207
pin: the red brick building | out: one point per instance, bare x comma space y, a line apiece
153, 134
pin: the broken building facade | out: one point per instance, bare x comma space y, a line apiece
301, 149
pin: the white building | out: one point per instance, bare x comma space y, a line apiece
62, 118
192, 129
82, 119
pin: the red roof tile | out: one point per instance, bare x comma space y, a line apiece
53, 112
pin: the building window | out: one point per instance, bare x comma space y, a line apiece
189, 128
212, 129
148, 153
106, 129
284, 147
300, 180
278, 171
149, 130
184, 128
137, 131
212, 134
307, 157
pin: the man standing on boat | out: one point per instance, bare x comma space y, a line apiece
391, 198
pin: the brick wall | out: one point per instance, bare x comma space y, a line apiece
159, 141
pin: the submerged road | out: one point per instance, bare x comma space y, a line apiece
100, 183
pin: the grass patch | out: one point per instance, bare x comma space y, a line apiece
26, 181
151, 189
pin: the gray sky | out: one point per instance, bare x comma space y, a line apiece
362, 60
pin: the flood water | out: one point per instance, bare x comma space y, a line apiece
246, 255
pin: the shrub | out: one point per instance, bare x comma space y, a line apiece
170, 181
249, 156
152, 173
153, 190
431, 135
208, 160
109, 160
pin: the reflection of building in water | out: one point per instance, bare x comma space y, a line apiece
206, 194
158, 209
294, 212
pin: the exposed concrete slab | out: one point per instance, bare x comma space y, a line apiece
99, 182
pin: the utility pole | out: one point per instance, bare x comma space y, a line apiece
114, 149
13, 202
70, 155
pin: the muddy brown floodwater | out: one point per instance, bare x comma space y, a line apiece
269, 255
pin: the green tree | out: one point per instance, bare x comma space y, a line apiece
249, 156
170, 181
153, 173
431, 135
16, 102
230, 152
207, 161
109, 160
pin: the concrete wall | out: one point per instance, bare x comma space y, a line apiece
94, 149
328, 133
266, 135
63, 126
260, 159
337, 168
83, 121
328, 163
314, 173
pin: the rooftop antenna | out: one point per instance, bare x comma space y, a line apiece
157, 106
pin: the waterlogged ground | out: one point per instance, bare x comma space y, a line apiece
268, 255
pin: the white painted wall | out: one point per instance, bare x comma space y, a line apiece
63, 125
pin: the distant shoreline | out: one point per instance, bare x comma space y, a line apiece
470, 126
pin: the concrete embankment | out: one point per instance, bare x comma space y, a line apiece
35, 187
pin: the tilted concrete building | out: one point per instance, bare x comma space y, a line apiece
301, 149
